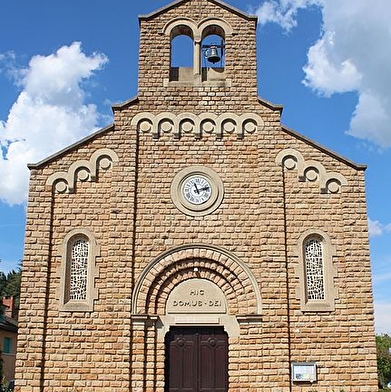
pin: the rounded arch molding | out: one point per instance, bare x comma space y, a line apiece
197, 30
190, 261
311, 171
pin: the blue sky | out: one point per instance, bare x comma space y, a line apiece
63, 63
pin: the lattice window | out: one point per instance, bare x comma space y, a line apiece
314, 269
78, 270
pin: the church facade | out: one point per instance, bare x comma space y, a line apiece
196, 244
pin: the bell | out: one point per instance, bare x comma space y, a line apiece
212, 55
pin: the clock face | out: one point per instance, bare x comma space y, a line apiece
196, 189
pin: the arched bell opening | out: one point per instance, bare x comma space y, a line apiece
213, 53
206, 42
182, 54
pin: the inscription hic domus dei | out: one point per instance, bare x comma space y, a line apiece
196, 296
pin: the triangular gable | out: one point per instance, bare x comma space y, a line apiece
72, 147
84, 140
322, 148
216, 2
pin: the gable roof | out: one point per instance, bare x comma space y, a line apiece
216, 2
8, 324
67, 149
324, 149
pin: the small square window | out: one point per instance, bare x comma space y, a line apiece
7, 346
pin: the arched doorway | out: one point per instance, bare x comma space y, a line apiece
196, 359
196, 290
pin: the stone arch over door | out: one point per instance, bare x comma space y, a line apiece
191, 261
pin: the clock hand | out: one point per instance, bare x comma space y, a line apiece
196, 188
205, 188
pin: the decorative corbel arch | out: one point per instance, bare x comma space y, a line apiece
82, 170
208, 262
198, 125
186, 123
311, 171
290, 159
332, 182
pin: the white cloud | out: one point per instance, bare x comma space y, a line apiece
351, 55
372, 118
282, 12
328, 75
377, 229
49, 114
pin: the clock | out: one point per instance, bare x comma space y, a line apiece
197, 190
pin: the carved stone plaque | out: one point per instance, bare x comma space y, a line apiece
196, 296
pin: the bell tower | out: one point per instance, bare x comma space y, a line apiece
218, 42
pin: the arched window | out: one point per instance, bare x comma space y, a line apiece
78, 272
182, 54
198, 51
316, 272
213, 53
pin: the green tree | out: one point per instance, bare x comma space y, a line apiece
383, 345
10, 287
3, 281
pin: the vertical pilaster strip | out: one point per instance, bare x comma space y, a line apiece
139, 334
35, 281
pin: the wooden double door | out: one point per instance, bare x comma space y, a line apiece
196, 360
